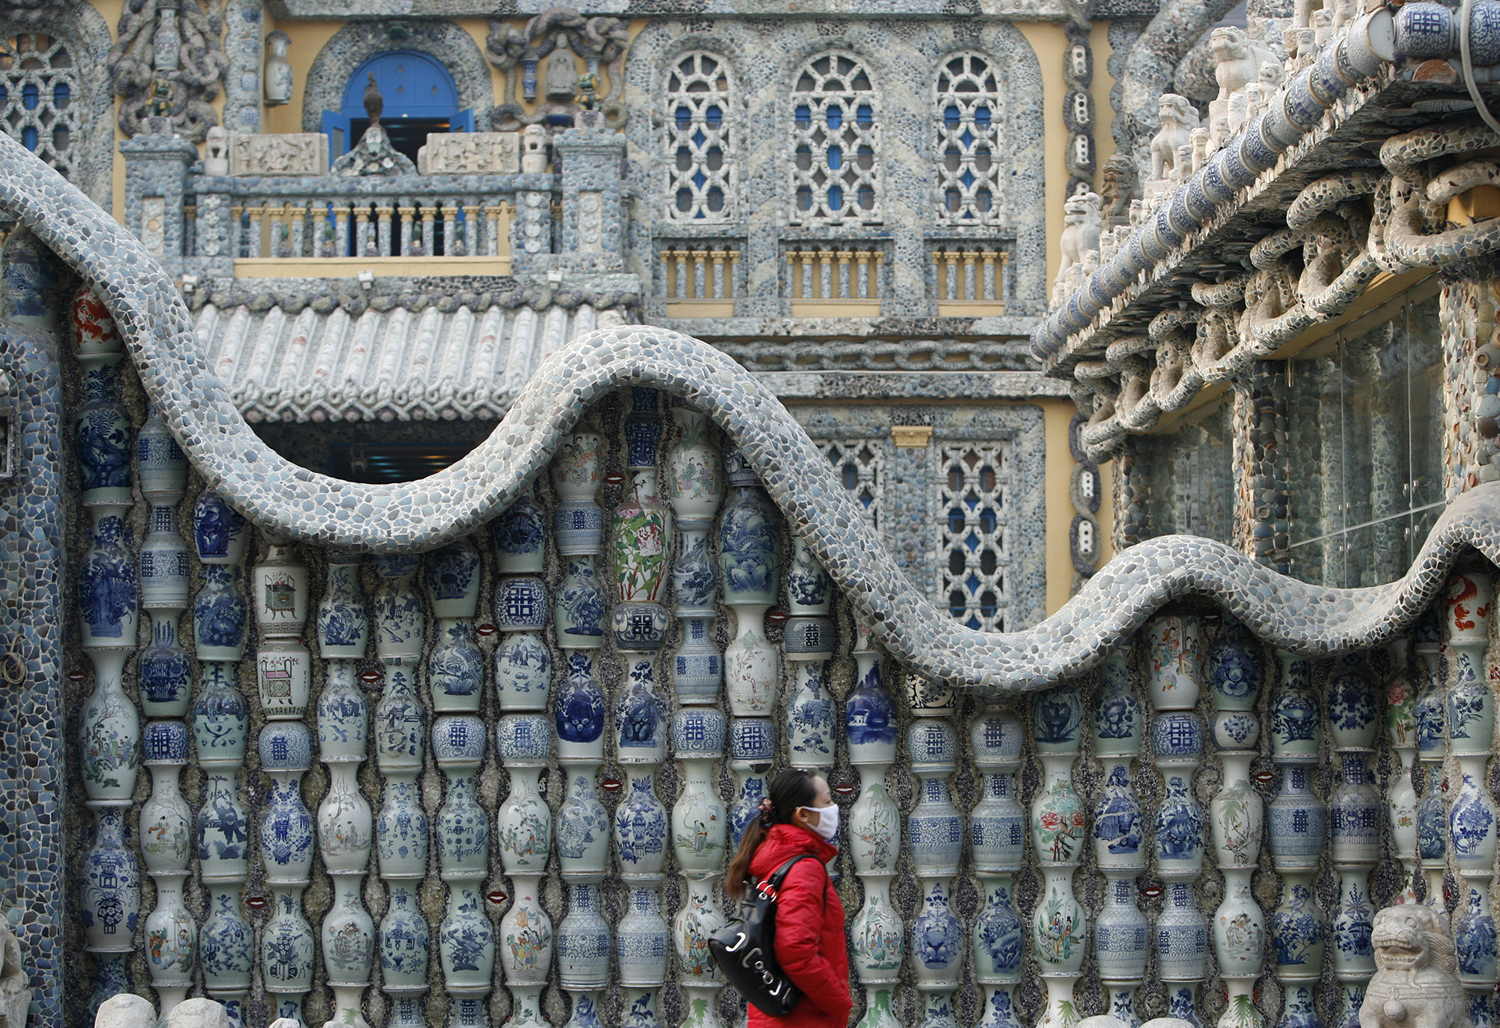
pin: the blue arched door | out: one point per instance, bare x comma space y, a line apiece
420, 98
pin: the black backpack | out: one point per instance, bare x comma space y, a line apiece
746, 950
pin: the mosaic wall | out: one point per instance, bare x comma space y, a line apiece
499, 782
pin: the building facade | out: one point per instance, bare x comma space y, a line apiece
454, 456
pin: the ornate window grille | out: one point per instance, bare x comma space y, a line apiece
835, 135
38, 84
973, 484
968, 138
860, 465
699, 140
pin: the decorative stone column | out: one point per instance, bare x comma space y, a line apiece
1121, 934
166, 837
1059, 930
524, 742
642, 534
695, 491
699, 823
226, 942
749, 561
1401, 797
466, 940
1298, 827
109, 723
1354, 831
997, 835
1432, 746
1238, 823
1471, 818
286, 843
455, 668
345, 824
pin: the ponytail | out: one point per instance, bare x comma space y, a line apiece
789, 790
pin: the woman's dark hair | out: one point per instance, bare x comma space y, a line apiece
789, 790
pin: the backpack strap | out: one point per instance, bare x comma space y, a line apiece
772, 884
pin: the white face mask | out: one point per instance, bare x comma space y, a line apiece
828, 821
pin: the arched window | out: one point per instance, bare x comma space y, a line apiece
38, 85
835, 132
968, 138
699, 140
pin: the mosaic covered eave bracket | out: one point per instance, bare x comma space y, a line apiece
285, 499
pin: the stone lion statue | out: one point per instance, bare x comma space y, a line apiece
1416, 981
1082, 222
1178, 119
1239, 59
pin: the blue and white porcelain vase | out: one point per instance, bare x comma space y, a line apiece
870, 711
219, 615
466, 939
583, 940
642, 938
455, 668
397, 608
452, 576
937, 938
583, 828
577, 521
809, 716
578, 606
342, 624
699, 821
578, 711
1174, 661
1296, 728
752, 749
640, 716
520, 536
523, 665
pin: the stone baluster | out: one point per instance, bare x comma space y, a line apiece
466, 940
1354, 831
1238, 823
221, 720
997, 835
1471, 818
749, 562
699, 823
1432, 747
1122, 938
401, 836
1059, 932
1175, 660
345, 824
109, 723
808, 714
695, 491
455, 668
877, 936
1401, 797
524, 742
1298, 822
286, 844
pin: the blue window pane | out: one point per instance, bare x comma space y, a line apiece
61, 95
956, 520
715, 200
987, 520
835, 198
866, 198
28, 138
714, 116
30, 96
804, 116
835, 117
699, 138
982, 117
865, 115
835, 158
982, 199
699, 178
684, 118
684, 200
950, 118
804, 198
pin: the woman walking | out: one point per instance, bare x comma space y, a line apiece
799, 817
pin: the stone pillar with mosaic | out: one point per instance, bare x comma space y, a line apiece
1400, 710
997, 837
1354, 836
1059, 930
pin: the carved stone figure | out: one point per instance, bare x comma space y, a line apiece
1178, 119
125, 1010
470, 153
287, 153
1119, 185
534, 150
198, 1013
152, 75
278, 71
600, 41
15, 983
216, 155
1416, 983
374, 155
1239, 58
1082, 222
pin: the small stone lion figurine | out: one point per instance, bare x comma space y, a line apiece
1416, 982
1178, 119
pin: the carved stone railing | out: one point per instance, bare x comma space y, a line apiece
821, 282
969, 279
701, 281
296, 226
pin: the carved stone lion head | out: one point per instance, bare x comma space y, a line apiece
1412, 935
1175, 110
1228, 43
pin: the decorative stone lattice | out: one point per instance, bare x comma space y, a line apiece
171, 50
699, 140
835, 135
968, 137
860, 464
38, 87
972, 555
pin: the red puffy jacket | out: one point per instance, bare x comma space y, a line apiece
810, 943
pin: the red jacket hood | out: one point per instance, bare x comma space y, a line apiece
782, 843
